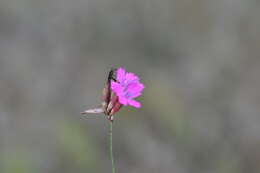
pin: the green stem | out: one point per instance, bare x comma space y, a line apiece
111, 148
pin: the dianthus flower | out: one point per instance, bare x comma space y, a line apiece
127, 87
120, 90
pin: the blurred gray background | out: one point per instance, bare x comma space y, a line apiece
199, 61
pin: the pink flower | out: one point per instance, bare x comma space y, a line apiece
127, 87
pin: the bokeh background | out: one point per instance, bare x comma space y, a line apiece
199, 61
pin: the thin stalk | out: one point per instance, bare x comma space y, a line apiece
111, 148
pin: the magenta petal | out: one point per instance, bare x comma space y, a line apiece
134, 103
135, 87
132, 86
131, 77
123, 100
120, 74
115, 85
117, 88
134, 95
139, 88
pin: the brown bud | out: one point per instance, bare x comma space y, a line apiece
116, 108
112, 102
